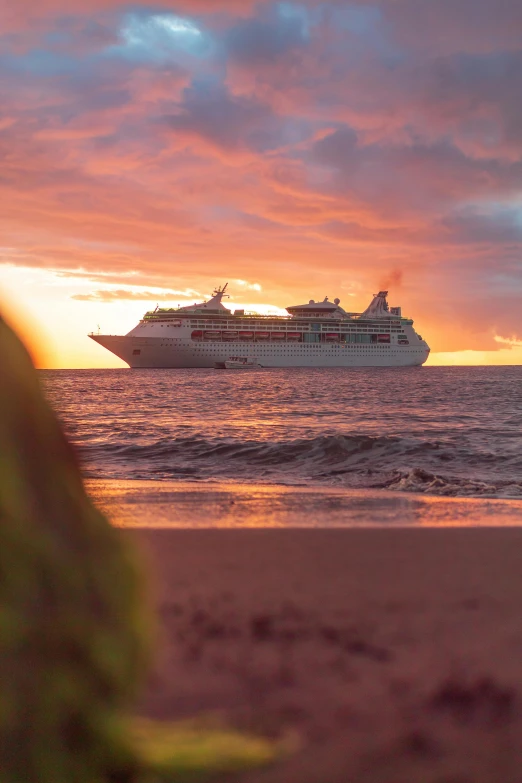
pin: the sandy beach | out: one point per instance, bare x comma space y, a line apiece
394, 655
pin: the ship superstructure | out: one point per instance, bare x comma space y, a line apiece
317, 334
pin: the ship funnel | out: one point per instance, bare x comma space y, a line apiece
378, 307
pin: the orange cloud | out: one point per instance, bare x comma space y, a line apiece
111, 295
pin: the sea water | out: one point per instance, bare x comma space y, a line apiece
452, 431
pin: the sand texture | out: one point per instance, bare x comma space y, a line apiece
394, 655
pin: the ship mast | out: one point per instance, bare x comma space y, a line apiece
219, 292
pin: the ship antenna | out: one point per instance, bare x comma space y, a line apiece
221, 290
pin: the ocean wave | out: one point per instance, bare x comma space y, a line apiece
419, 480
404, 464
323, 450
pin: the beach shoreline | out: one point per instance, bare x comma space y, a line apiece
391, 654
181, 504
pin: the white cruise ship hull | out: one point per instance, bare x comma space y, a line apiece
159, 352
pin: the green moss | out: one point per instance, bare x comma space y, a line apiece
72, 623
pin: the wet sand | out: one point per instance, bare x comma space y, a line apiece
202, 505
395, 655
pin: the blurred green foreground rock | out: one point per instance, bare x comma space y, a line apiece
73, 630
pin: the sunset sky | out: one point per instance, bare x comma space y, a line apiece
151, 151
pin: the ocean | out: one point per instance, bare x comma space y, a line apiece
450, 431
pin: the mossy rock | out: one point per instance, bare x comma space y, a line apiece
72, 635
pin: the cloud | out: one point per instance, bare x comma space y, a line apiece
209, 112
295, 144
112, 295
510, 342
17, 15
454, 25
258, 41
416, 177
249, 286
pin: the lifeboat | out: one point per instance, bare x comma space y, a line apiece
241, 363
197, 334
383, 338
262, 335
332, 338
404, 342
294, 336
212, 335
230, 335
277, 336
246, 335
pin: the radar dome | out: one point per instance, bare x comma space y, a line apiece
337, 301
311, 301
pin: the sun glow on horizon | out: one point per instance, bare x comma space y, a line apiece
54, 313
503, 357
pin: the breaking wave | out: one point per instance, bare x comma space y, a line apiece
351, 460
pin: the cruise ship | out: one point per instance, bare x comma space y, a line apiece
316, 334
